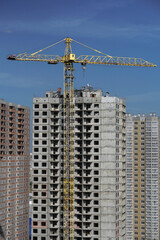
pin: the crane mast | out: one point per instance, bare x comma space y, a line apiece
68, 169
68, 113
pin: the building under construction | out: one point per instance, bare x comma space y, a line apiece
78, 148
98, 194
142, 177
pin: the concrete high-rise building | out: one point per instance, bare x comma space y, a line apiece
142, 177
14, 170
99, 169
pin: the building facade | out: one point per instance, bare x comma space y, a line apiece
142, 177
14, 170
99, 174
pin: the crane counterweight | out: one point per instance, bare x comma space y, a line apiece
11, 57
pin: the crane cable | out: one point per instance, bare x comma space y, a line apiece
47, 47
74, 41
92, 48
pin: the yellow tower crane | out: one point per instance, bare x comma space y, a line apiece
68, 94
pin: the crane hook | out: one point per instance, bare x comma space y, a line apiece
84, 64
84, 67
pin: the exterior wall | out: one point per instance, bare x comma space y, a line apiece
143, 163
47, 168
87, 165
99, 183
139, 178
112, 173
152, 177
14, 168
129, 179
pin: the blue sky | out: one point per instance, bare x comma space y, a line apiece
129, 28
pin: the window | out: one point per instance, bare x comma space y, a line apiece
44, 164
96, 113
43, 223
96, 142
96, 187
36, 127
96, 105
35, 171
96, 157
43, 186
96, 172
43, 216
96, 194
35, 179
36, 142
35, 156
96, 180
96, 135
36, 149
36, 120
36, 113
44, 157
44, 105
96, 217
35, 186
44, 113
35, 200
43, 209
35, 208
43, 179
96, 149
43, 193
96, 128
43, 231
44, 120
96, 165
35, 231
96, 120
36, 106
96, 202
44, 149
44, 134
43, 201
44, 127
43, 171
36, 135
35, 164
35, 215
44, 142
